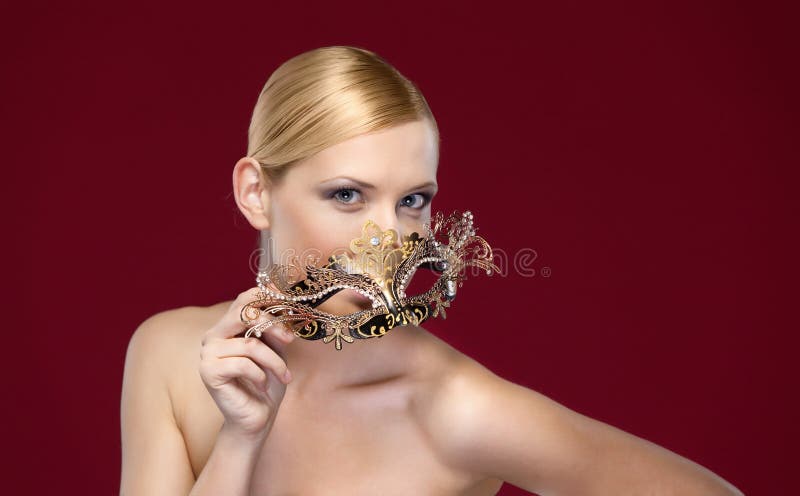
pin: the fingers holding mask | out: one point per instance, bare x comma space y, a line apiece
241, 316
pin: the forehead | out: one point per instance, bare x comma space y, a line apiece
404, 153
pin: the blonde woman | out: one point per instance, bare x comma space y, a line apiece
339, 136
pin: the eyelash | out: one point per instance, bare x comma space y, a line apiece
426, 198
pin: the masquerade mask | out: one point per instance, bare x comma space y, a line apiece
380, 267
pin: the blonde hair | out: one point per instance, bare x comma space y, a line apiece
320, 98
325, 96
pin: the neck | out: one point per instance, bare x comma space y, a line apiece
318, 366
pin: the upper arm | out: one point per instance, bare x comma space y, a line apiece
488, 426
154, 456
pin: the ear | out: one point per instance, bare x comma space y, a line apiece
252, 192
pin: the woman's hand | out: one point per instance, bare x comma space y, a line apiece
246, 377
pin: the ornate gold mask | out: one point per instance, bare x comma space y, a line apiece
380, 267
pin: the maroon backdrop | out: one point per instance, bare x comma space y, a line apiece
637, 154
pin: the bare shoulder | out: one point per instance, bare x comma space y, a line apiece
154, 451
454, 388
171, 334
176, 320
167, 328
489, 427
451, 386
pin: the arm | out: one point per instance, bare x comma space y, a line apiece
229, 469
486, 425
154, 456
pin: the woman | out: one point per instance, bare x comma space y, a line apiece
337, 137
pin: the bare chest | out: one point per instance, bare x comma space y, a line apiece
363, 442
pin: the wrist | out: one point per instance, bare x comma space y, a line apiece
244, 437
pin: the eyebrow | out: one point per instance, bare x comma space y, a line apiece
366, 185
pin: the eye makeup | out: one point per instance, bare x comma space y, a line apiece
354, 196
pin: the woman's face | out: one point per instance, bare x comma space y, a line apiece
321, 203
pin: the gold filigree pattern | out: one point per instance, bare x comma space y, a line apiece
380, 266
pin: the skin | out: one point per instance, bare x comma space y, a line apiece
205, 412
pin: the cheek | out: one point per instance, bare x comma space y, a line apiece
416, 225
335, 237
307, 230
292, 228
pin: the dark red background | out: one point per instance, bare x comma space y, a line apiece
642, 151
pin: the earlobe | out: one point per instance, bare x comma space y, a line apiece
251, 192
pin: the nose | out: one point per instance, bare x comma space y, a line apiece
386, 218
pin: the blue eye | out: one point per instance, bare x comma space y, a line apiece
352, 196
346, 195
417, 200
